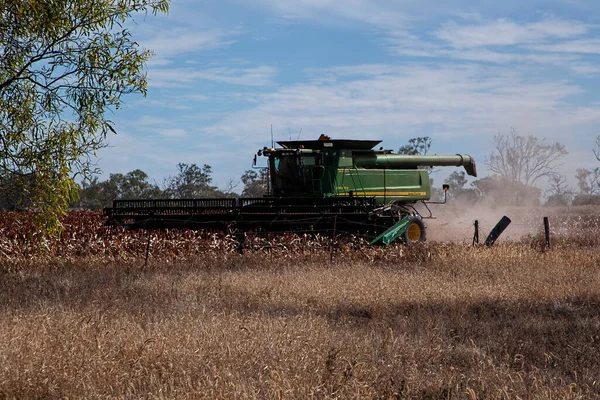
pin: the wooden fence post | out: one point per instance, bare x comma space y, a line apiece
333, 240
547, 231
147, 249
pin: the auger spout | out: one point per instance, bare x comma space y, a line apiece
402, 161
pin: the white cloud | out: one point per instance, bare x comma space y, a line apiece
163, 102
583, 46
173, 132
355, 70
159, 62
398, 19
196, 97
461, 78
585, 69
249, 76
470, 40
470, 100
148, 120
467, 15
175, 42
503, 32
283, 20
461, 107
382, 14
417, 48
506, 42
474, 38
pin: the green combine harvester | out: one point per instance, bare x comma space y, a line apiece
316, 186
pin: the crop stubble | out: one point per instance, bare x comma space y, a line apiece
441, 320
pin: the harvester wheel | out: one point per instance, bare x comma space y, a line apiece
415, 230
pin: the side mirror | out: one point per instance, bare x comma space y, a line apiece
445, 187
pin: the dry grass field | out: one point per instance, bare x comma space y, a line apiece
435, 321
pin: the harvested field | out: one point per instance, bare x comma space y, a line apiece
87, 319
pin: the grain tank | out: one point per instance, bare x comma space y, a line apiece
341, 168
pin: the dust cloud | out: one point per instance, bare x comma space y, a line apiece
455, 222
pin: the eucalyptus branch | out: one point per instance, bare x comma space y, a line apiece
63, 65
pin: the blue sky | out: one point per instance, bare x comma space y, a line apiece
224, 71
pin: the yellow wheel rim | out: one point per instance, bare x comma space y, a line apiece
414, 233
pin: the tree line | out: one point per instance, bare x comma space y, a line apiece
65, 67
518, 168
517, 165
191, 181
525, 169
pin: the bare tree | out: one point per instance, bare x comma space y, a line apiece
596, 149
524, 159
559, 192
558, 184
588, 182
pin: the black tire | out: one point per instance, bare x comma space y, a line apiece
415, 231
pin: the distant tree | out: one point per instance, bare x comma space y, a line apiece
191, 182
133, 185
255, 183
14, 192
416, 146
559, 193
419, 146
524, 159
500, 190
588, 183
63, 65
457, 181
95, 194
229, 190
136, 185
